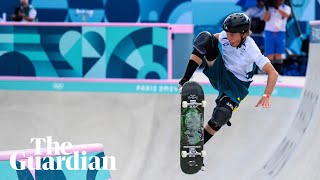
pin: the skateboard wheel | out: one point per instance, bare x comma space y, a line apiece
184, 154
203, 153
204, 103
184, 104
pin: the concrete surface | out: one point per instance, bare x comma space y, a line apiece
142, 131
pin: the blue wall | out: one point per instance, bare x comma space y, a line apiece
176, 12
198, 12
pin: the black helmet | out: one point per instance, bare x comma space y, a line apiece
237, 23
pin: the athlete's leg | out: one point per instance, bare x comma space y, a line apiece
210, 63
220, 116
269, 45
278, 63
280, 49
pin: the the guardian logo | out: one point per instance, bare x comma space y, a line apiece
58, 157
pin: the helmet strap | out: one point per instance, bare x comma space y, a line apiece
242, 41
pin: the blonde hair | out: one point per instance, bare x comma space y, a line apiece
248, 33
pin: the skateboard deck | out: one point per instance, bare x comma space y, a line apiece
191, 128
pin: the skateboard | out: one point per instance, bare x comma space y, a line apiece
191, 127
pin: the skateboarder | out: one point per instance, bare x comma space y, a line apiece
230, 58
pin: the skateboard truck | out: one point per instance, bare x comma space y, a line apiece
193, 153
193, 104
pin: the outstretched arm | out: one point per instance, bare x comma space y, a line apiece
271, 83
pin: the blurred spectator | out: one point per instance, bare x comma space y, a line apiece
276, 15
25, 12
256, 15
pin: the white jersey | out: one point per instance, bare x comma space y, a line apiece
277, 22
240, 61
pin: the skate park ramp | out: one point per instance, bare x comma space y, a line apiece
141, 130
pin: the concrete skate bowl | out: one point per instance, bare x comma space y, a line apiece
142, 130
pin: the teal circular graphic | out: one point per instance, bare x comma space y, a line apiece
122, 11
70, 46
93, 47
153, 16
165, 11
16, 64
69, 43
152, 75
152, 71
137, 56
169, 8
82, 51
96, 42
91, 43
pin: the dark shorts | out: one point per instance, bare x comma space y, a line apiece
225, 82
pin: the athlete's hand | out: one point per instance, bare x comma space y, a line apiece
181, 83
264, 102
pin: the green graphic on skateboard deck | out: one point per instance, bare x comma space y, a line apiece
191, 128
